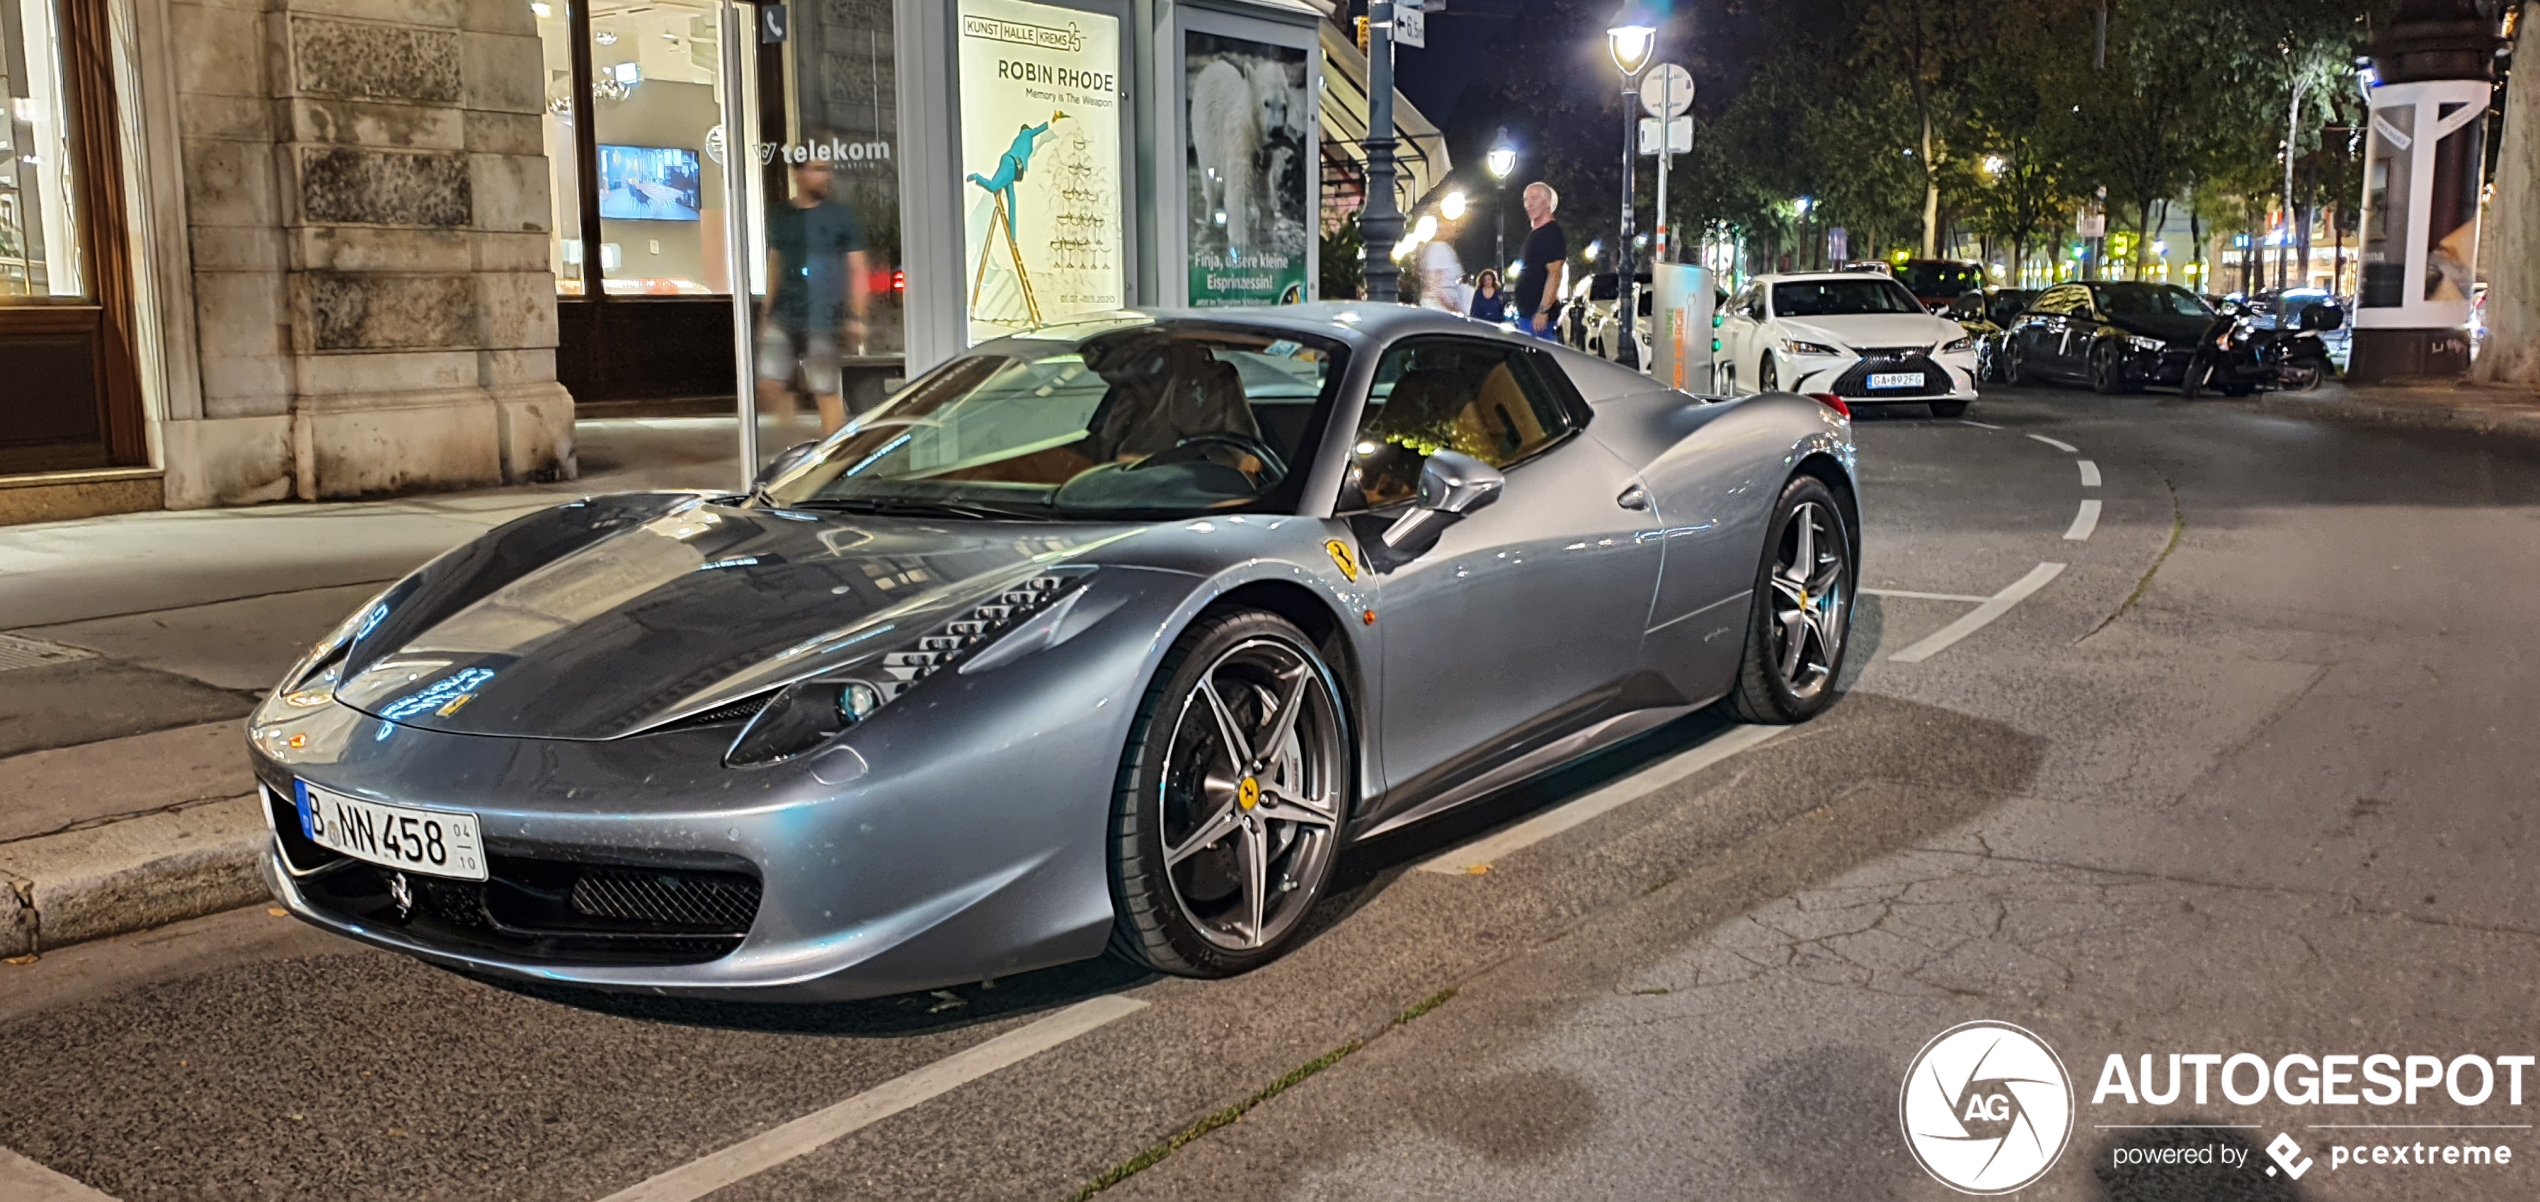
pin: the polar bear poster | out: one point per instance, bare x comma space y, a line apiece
1247, 112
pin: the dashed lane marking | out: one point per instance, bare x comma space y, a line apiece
2089, 473
2065, 447
1910, 594
1481, 853
1981, 616
2084, 522
23, 1180
764, 1151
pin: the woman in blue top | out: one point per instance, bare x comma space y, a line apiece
1489, 303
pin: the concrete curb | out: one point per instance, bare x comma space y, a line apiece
130, 875
2466, 412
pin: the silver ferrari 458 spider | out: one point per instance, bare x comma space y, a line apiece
1111, 635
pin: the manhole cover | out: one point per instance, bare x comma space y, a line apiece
18, 652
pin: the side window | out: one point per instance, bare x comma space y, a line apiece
1481, 399
2058, 302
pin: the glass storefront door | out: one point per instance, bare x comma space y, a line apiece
70, 399
822, 246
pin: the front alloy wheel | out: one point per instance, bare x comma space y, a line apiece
1802, 609
1234, 789
2107, 369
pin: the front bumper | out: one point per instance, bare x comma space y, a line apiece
1947, 377
922, 850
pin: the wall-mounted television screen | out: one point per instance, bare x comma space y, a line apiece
648, 183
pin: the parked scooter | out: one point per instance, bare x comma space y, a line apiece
2237, 358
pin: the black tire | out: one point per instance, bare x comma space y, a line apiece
1169, 777
1767, 691
2107, 371
1766, 376
2015, 366
1948, 408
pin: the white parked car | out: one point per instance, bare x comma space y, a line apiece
1856, 335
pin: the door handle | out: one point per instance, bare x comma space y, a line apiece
1634, 497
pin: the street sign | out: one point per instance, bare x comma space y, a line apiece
1410, 25
1667, 91
2091, 225
1679, 136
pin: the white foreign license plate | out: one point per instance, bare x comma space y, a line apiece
433, 842
1896, 379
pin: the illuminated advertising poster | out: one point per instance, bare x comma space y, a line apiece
1251, 176
1040, 119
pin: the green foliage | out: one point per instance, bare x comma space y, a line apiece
2004, 116
1341, 272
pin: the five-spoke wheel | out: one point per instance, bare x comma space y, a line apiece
1235, 788
1803, 609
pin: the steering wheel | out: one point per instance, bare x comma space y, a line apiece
1274, 469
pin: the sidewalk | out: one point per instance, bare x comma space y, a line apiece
2482, 408
132, 646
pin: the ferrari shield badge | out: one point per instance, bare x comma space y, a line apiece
1342, 559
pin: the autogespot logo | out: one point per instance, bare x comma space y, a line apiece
1987, 1107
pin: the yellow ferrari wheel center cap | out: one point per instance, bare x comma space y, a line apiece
1248, 793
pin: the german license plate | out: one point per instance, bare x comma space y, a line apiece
1896, 379
433, 842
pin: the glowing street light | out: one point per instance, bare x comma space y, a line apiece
1631, 39
1502, 161
1993, 164
1452, 205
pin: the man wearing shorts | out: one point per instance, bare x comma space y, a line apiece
816, 299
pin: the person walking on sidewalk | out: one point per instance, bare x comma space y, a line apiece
1546, 264
816, 297
1489, 303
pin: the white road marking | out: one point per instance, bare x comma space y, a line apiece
2089, 473
1490, 848
1978, 425
2065, 447
1898, 592
770, 1148
1981, 616
2085, 521
23, 1180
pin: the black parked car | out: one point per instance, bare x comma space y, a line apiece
1989, 314
2113, 336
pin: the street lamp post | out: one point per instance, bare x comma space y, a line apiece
1380, 221
1630, 40
1502, 160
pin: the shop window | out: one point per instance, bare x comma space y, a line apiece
656, 121
564, 194
39, 199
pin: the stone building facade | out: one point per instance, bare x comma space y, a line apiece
339, 218
366, 197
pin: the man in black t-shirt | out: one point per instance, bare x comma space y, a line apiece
1547, 265
816, 296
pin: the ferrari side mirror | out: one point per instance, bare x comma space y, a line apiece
1451, 485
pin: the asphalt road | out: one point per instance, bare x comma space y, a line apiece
2248, 773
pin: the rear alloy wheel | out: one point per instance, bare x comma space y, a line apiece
1795, 637
1233, 791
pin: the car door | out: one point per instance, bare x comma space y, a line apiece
1524, 619
2044, 332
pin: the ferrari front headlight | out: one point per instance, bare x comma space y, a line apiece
807, 714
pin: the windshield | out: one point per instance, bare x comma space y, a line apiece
1835, 298
1152, 418
2150, 300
